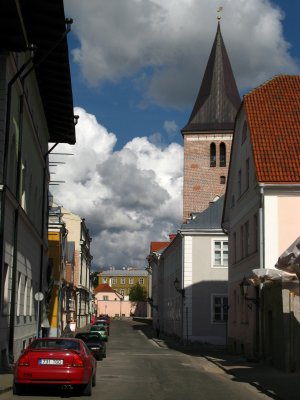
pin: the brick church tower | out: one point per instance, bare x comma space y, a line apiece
208, 134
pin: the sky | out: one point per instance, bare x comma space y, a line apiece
136, 69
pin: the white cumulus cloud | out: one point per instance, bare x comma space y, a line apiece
128, 197
166, 43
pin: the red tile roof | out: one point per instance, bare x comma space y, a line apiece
273, 112
156, 246
104, 287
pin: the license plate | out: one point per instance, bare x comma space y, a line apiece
46, 361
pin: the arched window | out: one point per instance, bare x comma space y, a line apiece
212, 155
222, 155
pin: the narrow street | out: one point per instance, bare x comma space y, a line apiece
136, 367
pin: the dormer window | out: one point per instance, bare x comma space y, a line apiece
212, 155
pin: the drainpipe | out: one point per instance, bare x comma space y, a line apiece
259, 313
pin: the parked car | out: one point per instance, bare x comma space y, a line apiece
102, 329
94, 342
102, 322
64, 362
106, 317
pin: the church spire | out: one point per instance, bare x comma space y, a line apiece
218, 98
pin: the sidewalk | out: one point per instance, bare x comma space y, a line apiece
270, 381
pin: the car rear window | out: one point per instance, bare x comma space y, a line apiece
55, 344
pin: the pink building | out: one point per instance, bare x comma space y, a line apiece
108, 301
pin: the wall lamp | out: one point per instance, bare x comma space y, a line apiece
244, 286
177, 288
150, 301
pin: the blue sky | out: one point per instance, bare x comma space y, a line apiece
136, 70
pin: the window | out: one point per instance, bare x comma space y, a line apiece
244, 132
19, 295
239, 183
5, 293
141, 281
114, 281
25, 298
247, 239
212, 155
247, 173
219, 308
255, 231
31, 301
222, 155
123, 281
220, 253
242, 241
131, 281
222, 180
105, 298
234, 247
122, 292
104, 280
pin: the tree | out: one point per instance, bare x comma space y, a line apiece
94, 279
137, 293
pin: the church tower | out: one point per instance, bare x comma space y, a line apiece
208, 134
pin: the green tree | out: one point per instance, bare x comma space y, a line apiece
137, 293
94, 279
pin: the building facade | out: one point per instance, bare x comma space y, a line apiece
122, 281
79, 240
29, 87
261, 215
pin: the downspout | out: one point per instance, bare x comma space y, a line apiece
80, 289
182, 297
259, 313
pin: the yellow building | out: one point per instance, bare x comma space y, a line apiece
123, 280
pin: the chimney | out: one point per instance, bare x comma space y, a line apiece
172, 236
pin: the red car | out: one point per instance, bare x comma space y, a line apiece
66, 362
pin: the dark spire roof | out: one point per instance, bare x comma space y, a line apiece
218, 98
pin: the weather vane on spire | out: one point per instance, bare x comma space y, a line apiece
219, 10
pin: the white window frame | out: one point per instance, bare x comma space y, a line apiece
224, 312
123, 281
104, 280
221, 241
141, 281
131, 281
114, 281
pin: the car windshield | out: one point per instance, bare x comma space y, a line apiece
55, 344
97, 328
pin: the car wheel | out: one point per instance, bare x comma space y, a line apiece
94, 379
17, 389
87, 389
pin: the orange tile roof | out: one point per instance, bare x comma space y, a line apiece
273, 112
156, 246
103, 287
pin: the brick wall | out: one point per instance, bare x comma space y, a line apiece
202, 183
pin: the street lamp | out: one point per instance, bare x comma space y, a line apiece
150, 301
177, 288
